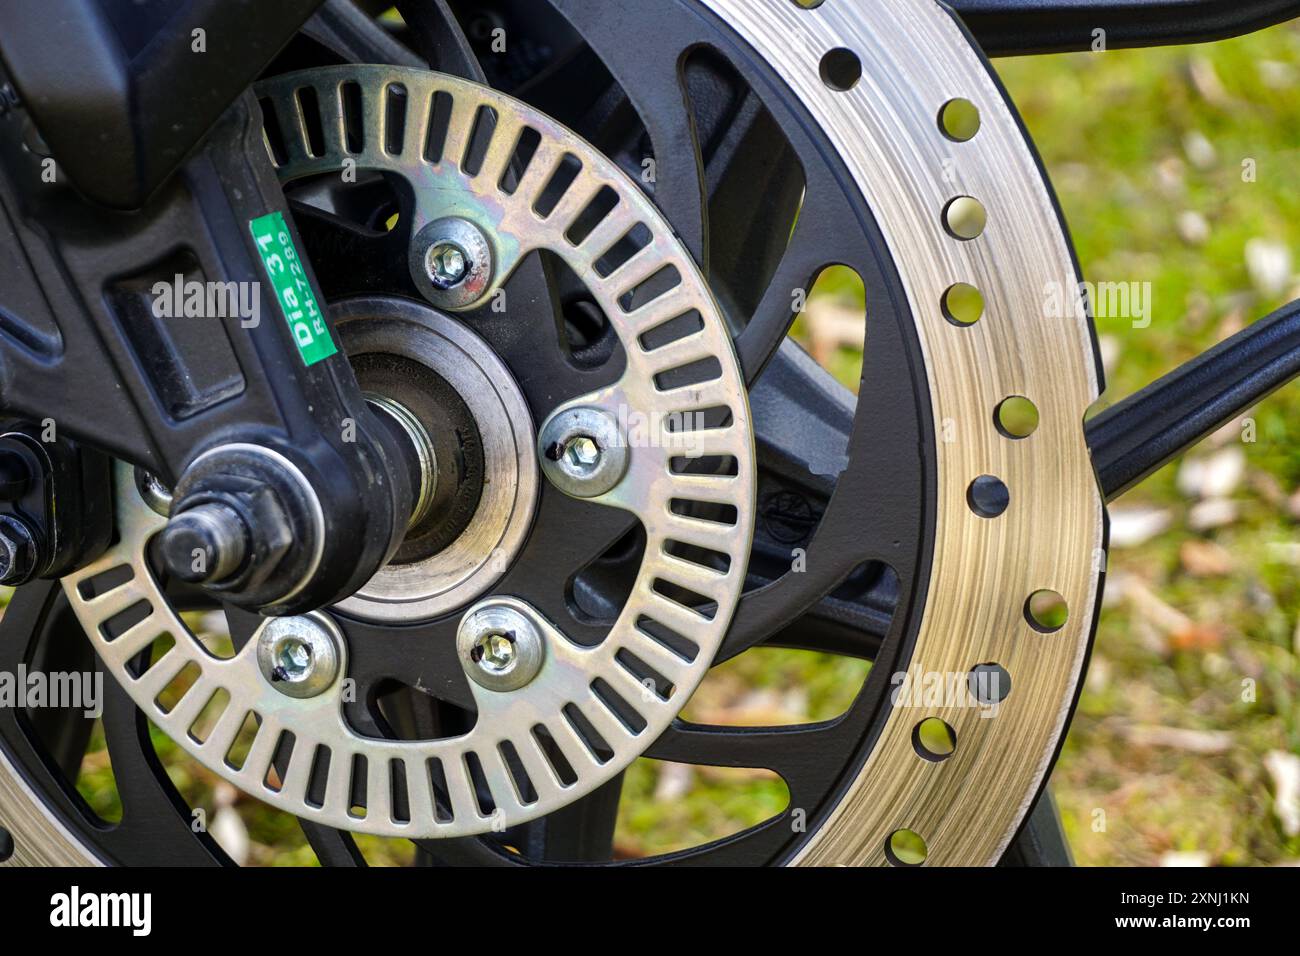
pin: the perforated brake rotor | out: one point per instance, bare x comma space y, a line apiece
598, 706
914, 58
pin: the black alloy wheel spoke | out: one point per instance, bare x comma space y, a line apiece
156, 824
1134, 438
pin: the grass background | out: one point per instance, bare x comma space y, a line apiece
1165, 761
1146, 150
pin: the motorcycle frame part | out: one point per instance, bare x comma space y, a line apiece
1017, 27
77, 309
62, 500
143, 82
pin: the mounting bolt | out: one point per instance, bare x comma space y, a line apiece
582, 452
300, 656
18, 550
447, 265
500, 647
451, 263
205, 544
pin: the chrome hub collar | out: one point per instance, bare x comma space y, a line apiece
484, 550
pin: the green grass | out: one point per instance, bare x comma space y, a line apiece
1114, 131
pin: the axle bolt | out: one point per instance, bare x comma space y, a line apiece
299, 656
500, 648
205, 544
18, 550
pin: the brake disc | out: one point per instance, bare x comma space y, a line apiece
1005, 517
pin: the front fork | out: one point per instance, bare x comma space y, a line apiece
188, 338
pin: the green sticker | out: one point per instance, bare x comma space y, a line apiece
292, 290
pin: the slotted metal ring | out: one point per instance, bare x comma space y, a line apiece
600, 706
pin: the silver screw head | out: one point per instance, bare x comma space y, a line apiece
582, 451
451, 263
300, 656
495, 652
447, 265
500, 647
293, 659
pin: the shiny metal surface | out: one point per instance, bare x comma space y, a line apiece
299, 656
915, 58
594, 703
476, 560
582, 452
524, 655
421, 444
40, 838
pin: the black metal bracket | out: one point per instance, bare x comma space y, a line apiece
123, 90
1013, 27
84, 342
1135, 437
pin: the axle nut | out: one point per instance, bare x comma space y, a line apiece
18, 551
206, 544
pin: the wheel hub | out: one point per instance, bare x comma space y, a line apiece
554, 718
901, 173
485, 491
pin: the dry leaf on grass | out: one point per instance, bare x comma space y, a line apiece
1204, 559
1215, 475
1185, 858
1132, 525
1181, 633
227, 827
674, 781
1204, 742
1212, 513
1207, 83
833, 325
1284, 768
1192, 227
1269, 265
1200, 151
